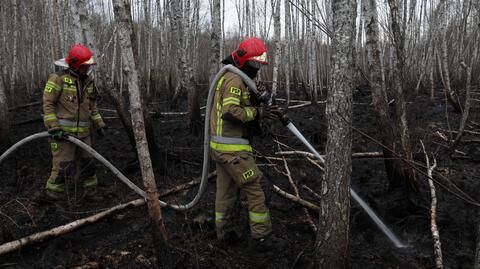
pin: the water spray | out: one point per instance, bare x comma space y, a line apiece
395, 240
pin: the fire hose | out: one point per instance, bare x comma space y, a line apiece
206, 144
206, 151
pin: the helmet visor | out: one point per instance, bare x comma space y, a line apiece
90, 61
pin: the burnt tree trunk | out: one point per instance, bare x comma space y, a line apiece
215, 37
332, 237
379, 95
397, 91
444, 56
4, 126
123, 21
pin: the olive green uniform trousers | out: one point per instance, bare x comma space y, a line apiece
238, 171
67, 161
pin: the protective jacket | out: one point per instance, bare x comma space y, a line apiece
230, 122
69, 103
229, 117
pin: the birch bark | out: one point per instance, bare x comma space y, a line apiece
332, 237
277, 41
379, 94
129, 68
397, 90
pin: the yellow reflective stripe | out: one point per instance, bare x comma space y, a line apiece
249, 113
90, 182
219, 84
219, 216
245, 95
96, 116
75, 129
258, 217
230, 147
231, 101
228, 99
49, 117
218, 107
70, 88
55, 187
53, 84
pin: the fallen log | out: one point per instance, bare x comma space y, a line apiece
310, 155
45, 235
72, 226
296, 199
437, 246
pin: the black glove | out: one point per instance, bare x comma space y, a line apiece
274, 112
264, 97
101, 132
57, 132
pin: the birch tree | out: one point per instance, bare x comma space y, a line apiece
277, 41
332, 235
379, 95
13, 76
444, 55
4, 126
215, 37
129, 68
81, 25
397, 92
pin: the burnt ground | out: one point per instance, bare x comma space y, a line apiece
124, 239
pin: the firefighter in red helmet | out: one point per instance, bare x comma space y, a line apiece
233, 110
69, 107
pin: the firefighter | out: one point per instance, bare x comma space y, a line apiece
232, 112
69, 107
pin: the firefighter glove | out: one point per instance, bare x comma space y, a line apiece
57, 133
264, 97
274, 112
101, 132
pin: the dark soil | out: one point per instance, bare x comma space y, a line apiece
124, 239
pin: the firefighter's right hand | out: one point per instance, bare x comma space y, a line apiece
57, 133
264, 97
274, 112
101, 132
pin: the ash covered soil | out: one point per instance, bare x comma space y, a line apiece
123, 240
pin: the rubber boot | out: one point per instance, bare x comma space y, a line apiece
269, 243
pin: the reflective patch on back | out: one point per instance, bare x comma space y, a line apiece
235, 91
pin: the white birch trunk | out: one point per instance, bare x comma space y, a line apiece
5, 125
13, 76
332, 238
277, 41
444, 55
129, 68
215, 37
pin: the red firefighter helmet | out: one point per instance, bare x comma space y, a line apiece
79, 55
252, 49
